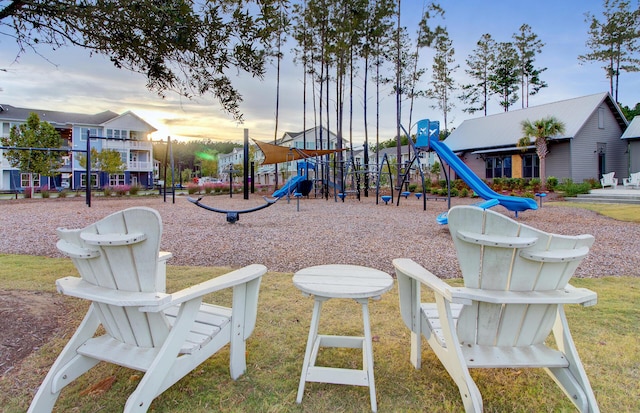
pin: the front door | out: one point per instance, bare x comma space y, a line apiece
602, 152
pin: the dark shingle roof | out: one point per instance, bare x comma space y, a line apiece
505, 129
56, 117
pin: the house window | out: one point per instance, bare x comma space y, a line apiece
94, 180
530, 166
116, 179
498, 167
83, 133
600, 118
25, 180
116, 134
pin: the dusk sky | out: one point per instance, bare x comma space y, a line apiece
70, 80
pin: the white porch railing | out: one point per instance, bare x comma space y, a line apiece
123, 145
139, 166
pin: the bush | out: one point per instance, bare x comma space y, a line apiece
208, 187
108, 191
63, 194
413, 187
497, 184
459, 184
121, 190
45, 192
134, 189
593, 182
517, 184
552, 183
464, 192
534, 184
192, 188
572, 189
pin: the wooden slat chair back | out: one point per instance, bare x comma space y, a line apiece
609, 180
632, 180
499, 254
516, 281
121, 246
122, 272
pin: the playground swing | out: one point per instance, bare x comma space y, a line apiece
352, 174
385, 198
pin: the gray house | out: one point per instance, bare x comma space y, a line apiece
590, 146
632, 137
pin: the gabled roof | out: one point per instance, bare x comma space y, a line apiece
633, 130
55, 117
311, 133
505, 129
130, 120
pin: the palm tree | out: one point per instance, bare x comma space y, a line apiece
540, 130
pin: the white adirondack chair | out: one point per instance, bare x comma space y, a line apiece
165, 335
515, 285
609, 180
633, 180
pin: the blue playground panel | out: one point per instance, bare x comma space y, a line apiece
443, 219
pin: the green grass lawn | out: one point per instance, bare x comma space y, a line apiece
606, 336
621, 212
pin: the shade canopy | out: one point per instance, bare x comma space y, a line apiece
278, 154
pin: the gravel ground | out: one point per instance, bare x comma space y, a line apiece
321, 232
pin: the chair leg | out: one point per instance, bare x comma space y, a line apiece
68, 366
453, 360
237, 345
572, 379
154, 380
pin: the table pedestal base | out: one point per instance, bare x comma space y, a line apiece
335, 375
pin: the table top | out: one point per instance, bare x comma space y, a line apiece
342, 281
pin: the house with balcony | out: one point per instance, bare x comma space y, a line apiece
125, 133
317, 137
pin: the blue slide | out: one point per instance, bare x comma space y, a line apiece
512, 203
289, 186
427, 136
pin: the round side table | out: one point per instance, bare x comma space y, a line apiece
340, 281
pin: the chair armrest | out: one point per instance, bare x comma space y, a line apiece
79, 288
112, 239
74, 251
568, 295
493, 240
237, 277
559, 255
414, 270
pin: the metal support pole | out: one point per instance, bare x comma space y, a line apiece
246, 165
88, 189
